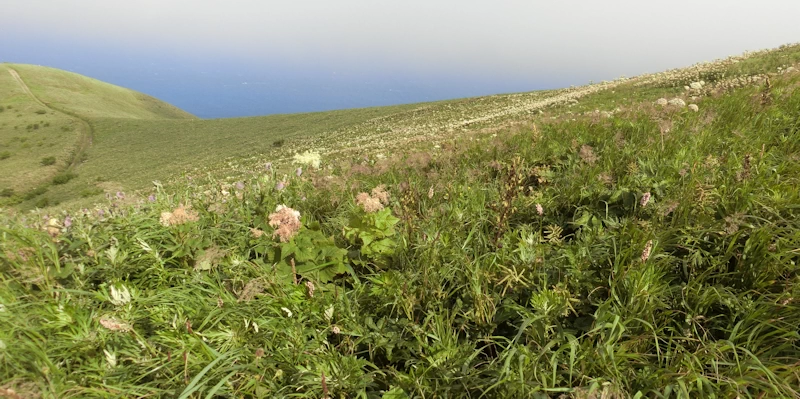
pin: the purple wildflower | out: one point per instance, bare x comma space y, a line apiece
268, 166
280, 186
152, 198
67, 222
299, 171
120, 195
239, 185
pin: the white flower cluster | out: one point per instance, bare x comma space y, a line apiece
119, 295
312, 158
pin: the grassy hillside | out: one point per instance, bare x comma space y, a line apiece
46, 130
170, 147
612, 247
168, 142
35, 141
90, 98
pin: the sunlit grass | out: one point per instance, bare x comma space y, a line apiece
648, 252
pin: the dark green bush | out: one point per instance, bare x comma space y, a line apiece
35, 192
278, 143
42, 202
47, 161
41, 111
90, 192
7, 192
63, 177
5, 155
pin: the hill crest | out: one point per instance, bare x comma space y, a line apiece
87, 97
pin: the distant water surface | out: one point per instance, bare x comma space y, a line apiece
223, 88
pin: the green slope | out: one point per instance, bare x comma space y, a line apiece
46, 128
91, 98
29, 133
129, 139
125, 140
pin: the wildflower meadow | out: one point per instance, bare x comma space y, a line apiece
646, 252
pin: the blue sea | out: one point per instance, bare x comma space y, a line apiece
224, 87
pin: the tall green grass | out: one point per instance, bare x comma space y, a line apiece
649, 254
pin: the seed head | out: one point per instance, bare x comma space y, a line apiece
257, 233
381, 194
178, 216
368, 203
646, 251
587, 154
310, 287
114, 324
375, 201
645, 199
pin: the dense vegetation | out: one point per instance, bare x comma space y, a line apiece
649, 252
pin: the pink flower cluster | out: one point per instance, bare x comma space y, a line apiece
286, 222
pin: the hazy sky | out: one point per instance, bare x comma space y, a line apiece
435, 48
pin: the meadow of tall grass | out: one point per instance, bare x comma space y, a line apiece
651, 252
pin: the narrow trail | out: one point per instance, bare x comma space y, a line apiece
25, 87
85, 138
